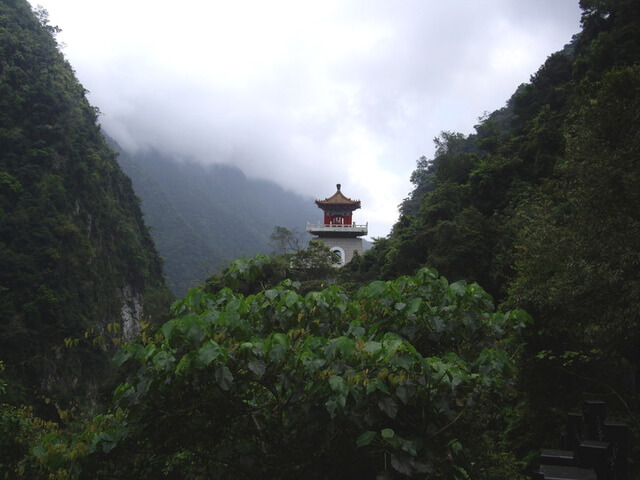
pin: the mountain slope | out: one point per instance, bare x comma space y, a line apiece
202, 217
540, 206
75, 256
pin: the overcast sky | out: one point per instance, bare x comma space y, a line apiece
308, 93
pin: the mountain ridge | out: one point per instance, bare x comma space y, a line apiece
219, 213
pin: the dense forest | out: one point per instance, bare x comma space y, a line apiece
541, 207
76, 260
507, 293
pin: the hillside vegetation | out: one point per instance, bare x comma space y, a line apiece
507, 293
76, 260
541, 206
204, 216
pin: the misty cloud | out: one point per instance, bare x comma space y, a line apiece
308, 94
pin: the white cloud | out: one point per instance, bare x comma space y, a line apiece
312, 93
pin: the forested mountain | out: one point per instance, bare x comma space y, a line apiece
76, 260
282, 367
541, 206
204, 216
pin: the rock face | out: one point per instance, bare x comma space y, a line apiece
131, 313
77, 264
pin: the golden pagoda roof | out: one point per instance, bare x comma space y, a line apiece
338, 199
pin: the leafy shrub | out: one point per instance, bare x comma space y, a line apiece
276, 384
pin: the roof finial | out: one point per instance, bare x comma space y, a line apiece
338, 186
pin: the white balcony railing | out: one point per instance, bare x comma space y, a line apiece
336, 227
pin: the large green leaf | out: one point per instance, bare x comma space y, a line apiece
389, 406
339, 385
209, 352
366, 438
224, 377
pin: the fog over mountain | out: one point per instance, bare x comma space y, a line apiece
307, 94
204, 216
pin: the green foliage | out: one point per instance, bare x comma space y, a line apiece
275, 384
311, 268
248, 275
20, 430
314, 264
577, 262
74, 251
422, 179
285, 241
610, 36
455, 158
272, 370
540, 207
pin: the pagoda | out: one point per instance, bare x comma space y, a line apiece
338, 230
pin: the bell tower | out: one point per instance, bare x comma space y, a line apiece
338, 231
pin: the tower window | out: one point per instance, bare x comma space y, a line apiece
340, 256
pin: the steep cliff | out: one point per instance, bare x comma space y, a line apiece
78, 268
